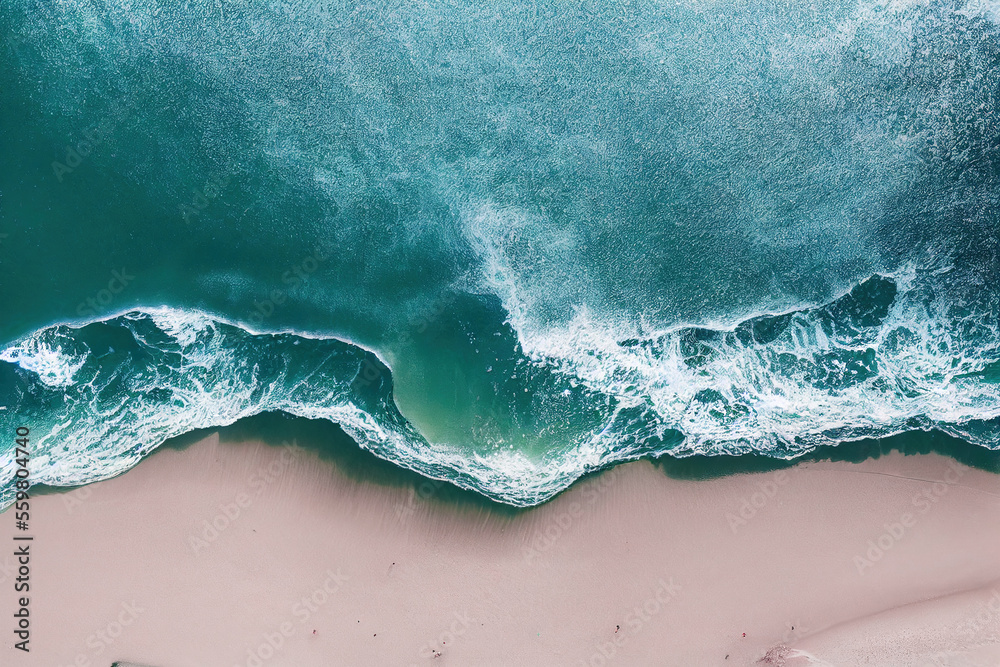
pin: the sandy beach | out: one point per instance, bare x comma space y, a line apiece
626, 258
233, 552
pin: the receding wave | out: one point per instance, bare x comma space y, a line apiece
887, 357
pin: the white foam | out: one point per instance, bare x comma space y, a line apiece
784, 413
46, 359
986, 9
184, 326
775, 408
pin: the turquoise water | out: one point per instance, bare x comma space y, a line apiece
576, 234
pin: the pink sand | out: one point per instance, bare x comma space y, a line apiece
889, 562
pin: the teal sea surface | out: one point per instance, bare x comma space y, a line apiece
501, 244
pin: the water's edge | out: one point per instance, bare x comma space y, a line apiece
102, 395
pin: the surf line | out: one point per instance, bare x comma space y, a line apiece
22, 546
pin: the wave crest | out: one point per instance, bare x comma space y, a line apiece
891, 355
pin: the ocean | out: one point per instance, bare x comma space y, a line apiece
501, 245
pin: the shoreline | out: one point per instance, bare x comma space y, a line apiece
232, 552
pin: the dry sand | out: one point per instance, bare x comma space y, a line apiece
311, 561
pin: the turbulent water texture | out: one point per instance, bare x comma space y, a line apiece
575, 234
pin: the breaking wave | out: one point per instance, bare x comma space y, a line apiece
888, 357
